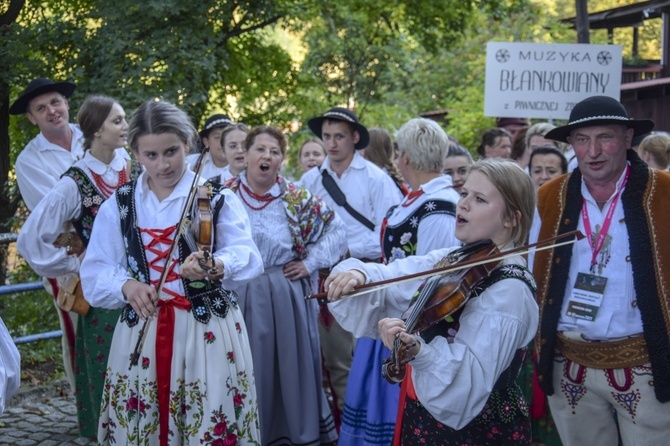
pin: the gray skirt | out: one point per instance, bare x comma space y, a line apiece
284, 338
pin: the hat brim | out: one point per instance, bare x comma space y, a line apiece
639, 126
20, 106
316, 125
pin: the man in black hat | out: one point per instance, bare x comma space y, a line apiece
210, 136
604, 339
57, 146
361, 194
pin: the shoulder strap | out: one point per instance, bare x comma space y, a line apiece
338, 196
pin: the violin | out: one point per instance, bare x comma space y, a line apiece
199, 233
441, 296
185, 229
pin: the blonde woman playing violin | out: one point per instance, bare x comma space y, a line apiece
461, 385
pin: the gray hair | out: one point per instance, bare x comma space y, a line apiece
425, 143
155, 117
540, 129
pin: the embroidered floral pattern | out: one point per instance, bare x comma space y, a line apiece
209, 337
308, 216
137, 412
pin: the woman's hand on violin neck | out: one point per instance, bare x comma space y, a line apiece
141, 297
340, 284
295, 270
192, 270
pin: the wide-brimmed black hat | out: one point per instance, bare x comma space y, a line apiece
599, 110
37, 87
213, 122
345, 115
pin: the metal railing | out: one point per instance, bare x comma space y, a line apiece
18, 288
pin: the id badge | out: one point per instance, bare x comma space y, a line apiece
587, 296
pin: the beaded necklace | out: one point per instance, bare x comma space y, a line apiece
105, 188
265, 199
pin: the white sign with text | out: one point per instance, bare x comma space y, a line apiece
536, 80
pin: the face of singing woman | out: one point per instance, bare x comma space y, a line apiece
264, 159
114, 131
480, 213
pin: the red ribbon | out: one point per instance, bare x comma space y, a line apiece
164, 342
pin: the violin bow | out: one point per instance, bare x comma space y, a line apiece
135, 355
382, 284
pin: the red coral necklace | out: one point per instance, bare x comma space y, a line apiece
265, 199
105, 188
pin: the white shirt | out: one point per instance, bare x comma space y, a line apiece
61, 205
453, 380
368, 190
435, 231
105, 267
272, 235
10, 367
209, 170
617, 317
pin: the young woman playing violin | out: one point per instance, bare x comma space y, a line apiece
193, 382
461, 386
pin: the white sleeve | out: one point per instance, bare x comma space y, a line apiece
235, 246
436, 232
105, 267
359, 314
453, 381
329, 248
32, 181
533, 237
10, 367
44, 224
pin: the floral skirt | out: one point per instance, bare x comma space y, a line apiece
212, 395
503, 421
94, 338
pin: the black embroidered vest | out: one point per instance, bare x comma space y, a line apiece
206, 298
400, 240
448, 327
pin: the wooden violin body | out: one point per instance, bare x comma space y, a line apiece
439, 297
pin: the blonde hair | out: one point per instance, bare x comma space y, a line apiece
517, 190
425, 143
658, 145
379, 151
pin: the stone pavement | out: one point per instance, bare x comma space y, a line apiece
41, 415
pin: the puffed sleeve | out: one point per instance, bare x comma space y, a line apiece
105, 267
10, 367
359, 314
453, 380
44, 224
235, 246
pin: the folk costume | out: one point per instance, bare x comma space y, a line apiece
209, 170
75, 200
288, 223
423, 221
461, 386
194, 381
620, 358
371, 192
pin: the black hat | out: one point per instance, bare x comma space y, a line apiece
599, 110
37, 87
213, 122
341, 114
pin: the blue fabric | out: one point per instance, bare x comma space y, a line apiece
371, 403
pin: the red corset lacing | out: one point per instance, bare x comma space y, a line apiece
165, 324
